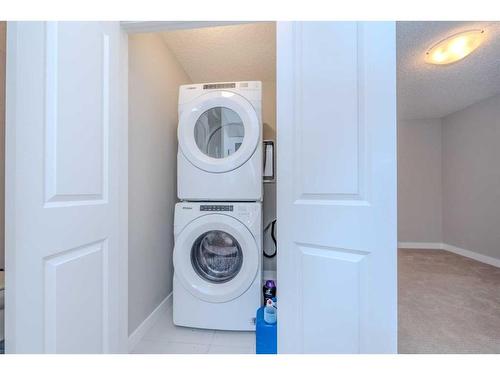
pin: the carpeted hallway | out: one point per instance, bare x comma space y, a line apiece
447, 303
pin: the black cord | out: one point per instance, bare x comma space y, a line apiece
272, 232
272, 224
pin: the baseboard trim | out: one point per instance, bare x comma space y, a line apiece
453, 249
473, 255
146, 325
421, 245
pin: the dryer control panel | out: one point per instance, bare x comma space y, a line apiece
216, 207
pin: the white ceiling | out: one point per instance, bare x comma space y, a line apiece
228, 53
432, 91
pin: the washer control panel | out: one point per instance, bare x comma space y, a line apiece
216, 207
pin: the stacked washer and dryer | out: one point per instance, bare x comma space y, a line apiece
218, 223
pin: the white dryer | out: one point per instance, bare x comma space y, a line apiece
217, 265
220, 142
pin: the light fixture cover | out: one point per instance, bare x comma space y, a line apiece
454, 48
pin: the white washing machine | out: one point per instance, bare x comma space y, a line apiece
220, 142
217, 265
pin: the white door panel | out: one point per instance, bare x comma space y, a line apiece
77, 88
337, 189
65, 262
327, 101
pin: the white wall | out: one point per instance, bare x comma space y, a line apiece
154, 79
449, 179
419, 181
471, 178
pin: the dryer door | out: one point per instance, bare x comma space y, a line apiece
220, 131
216, 258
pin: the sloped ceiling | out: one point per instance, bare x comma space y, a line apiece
432, 91
227, 53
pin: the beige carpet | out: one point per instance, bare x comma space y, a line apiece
447, 303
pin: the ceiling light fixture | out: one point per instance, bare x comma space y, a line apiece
454, 48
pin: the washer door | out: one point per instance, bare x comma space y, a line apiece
220, 132
216, 258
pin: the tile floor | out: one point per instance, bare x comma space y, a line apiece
166, 338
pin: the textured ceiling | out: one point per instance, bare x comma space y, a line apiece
432, 91
228, 53
248, 52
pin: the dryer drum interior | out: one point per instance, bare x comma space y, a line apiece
219, 132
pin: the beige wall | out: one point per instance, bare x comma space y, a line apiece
3, 26
471, 178
419, 181
449, 179
154, 79
269, 202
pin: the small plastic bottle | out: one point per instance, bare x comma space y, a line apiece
269, 290
270, 312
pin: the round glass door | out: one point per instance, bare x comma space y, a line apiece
216, 256
219, 132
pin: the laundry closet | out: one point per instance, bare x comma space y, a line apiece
214, 165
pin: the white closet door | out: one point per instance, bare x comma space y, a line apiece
66, 258
336, 191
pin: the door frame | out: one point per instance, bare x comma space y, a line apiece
136, 27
